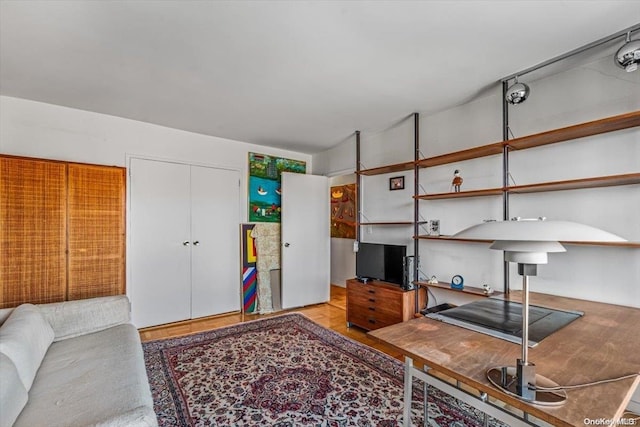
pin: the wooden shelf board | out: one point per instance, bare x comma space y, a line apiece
387, 223
398, 167
466, 290
462, 194
609, 124
452, 239
574, 184
468, 154
612, 244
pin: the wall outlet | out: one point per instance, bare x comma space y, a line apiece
434, 227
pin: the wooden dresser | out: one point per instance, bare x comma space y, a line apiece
378, 304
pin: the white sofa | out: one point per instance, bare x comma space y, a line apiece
76, 363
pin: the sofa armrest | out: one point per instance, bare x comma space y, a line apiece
74, 318
4, 314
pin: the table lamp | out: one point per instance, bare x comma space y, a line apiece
527, 243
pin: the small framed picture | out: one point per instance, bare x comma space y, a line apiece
396, 183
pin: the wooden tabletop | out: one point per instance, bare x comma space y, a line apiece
604, 343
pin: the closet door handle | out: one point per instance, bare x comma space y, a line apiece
185, 243
196, 243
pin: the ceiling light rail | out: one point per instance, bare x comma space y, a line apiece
620, 34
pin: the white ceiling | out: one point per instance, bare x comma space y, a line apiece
297, 75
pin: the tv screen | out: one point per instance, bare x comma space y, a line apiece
380, 262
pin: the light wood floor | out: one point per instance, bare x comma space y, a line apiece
331, 315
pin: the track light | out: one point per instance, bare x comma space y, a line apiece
517, 93
628, 56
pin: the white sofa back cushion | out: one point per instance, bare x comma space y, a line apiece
24, 338
13, 395
72, 319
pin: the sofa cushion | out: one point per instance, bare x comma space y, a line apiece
96, 379
13, 395
71, 319
24, 338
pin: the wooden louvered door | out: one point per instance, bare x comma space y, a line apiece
96, 230
62, 231
32, 231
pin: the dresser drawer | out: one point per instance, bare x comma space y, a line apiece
377, 304
383, 298
373, 320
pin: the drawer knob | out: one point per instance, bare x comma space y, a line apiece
372, 308
372, 321
371, 291
372, 300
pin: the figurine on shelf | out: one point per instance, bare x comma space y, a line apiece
487, 289
457, 181
432, 280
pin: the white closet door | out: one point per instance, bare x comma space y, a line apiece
215, 262
306, 239
160, 287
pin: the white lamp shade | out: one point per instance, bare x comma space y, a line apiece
527, 251
526, 230
529, 241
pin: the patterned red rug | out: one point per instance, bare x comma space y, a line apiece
285, 371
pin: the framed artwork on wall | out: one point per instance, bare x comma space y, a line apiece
264, 185
343, 211
396, 183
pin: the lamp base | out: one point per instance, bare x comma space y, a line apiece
505, 378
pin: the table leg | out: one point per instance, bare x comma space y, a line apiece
425, 400
408, 383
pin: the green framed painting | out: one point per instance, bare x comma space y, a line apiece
265, 185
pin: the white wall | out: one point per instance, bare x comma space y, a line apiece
35, 129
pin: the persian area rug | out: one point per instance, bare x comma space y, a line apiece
285, 371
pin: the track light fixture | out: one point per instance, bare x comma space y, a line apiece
517, 93
628, 56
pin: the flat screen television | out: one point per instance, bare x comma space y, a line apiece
381, 262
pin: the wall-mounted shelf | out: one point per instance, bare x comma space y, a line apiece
451, 239
610, 244
398, 167
574, 184
466, 290
608, 124
503, 148
458, 156
387, 223
462, 194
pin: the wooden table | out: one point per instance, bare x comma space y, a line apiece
604, 343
